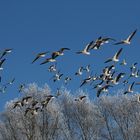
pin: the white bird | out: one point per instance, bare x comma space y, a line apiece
80, 71
103, 89
67, 79
115, 57
129, 90
52, 59
87, 68
86, 49
123, 63
128, 40
1, 63
39, 55
52, 68
6, 51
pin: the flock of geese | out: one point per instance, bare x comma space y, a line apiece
109, 76
3, 86
102, 82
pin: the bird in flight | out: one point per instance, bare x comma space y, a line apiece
6, 51
128, 40
100, 41
129, 90
51, 59
61, 51
39, 55
103, 89
1, 63
123, 63
21, 87
80, 98
80, 71
86, 49
115, 57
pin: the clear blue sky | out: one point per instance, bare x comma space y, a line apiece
33, 26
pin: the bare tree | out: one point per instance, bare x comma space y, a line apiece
41, 115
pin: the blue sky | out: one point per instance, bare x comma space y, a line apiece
30, 27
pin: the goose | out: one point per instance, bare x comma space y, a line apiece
52, 59
125, 82
57, 76
18, 104
11, 82
133, 66
86, 80
80, 71
39, 55
67, 79
115, 57
33, 111
103, 89
134, 73
129, 90
87, 68
61, 51
1, 63
100, 41
34, 103
86, 49
26, 99
58, 92
128, 40
6, 51
138, 99
3, 89
46, 101
117, 78
80, 98
123, 63
21, 87
52, 68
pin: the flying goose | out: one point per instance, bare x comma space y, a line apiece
3, 89
103, 89
117, 78
39, 55
6, 51
57, 76
52, 59
87, 68
33, 111
1, 63
128, 40
52, 68
133, 66
18, 104
61, 51
67, 79
86, 80
115, 57
21, 87
138, 99
58, 92
80, 71
80, 98
26, 99
11, 82
46, 101
100, 41
123, 63
86, 49
129, 90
